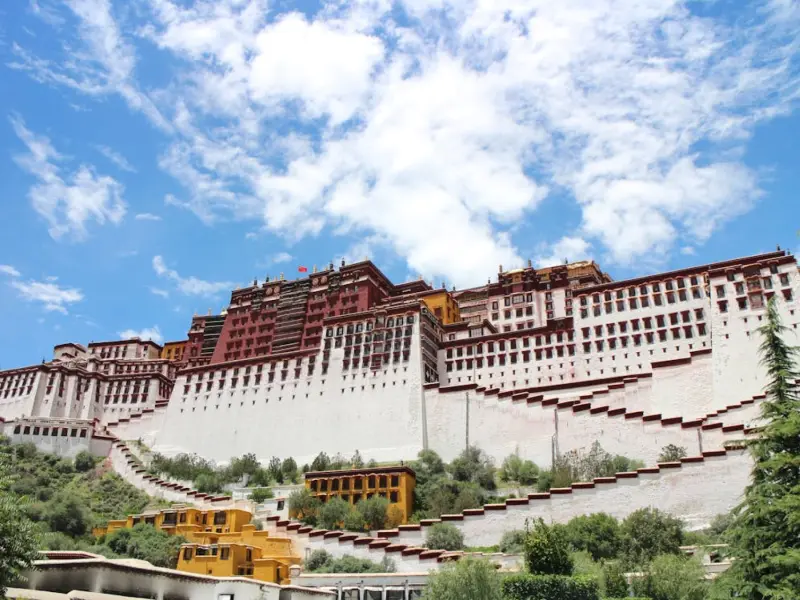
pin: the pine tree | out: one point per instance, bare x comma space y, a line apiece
765, 535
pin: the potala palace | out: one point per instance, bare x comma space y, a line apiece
539, 361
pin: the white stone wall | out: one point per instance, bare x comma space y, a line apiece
375, 412
39, 432
697, 492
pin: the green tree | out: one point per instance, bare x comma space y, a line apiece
474, 465
466, 579
445, 536
518, 470
354, 521
599, 534
512, 542
672, 577
546, 550
304, 506
321, 462
84, 461
671, 453
275, 469
18, 541
247, 464
145, 542
357, 462
765, 533
648, 532
258, 495
427, 466
616, 583
333, 513
67, 514
289, 469
374, 511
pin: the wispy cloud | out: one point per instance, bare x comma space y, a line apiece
9, 270
436, 134
280, 257
147, 217
159, 292
116, 158
52, 296
190, 286
97, 60
148, 333
68, 202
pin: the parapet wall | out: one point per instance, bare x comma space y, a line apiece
64, 437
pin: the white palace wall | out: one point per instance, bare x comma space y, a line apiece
377, 413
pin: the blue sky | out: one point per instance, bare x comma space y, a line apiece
155, 154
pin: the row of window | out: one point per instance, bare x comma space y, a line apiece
524, 342
343, 483
48, 431
754, 301
660, 321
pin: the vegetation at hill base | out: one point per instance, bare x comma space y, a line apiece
58, 501
321, 561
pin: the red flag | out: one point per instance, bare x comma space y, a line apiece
302, 269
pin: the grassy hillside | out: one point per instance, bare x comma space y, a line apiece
66, 498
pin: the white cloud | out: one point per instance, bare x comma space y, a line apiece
9, 270
147, 217
116, 158
67, 203
148, 333
567, 249
281, 257
97, 61
159, 292
52, 296
190, 286
436, 134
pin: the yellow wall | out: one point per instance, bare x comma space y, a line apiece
344, 484
444, 306
173, 350
270, 556
229, 560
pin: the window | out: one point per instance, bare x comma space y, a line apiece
224, 553
187, 555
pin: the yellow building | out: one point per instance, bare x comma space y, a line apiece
173, 350
220, 542
353, 485
442, 304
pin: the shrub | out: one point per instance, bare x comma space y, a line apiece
145, 542
67, 514
671, 453
333, 513
512, 541
598, 533
672, 577
258, 495
518, 470
320, 561
445, 536
84, 461
304, 506
648, 532
614, 578
354, 521
374, 512
525, 586
546, 550
466, 579
474, 465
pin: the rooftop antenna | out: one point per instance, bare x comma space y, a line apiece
530, 263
